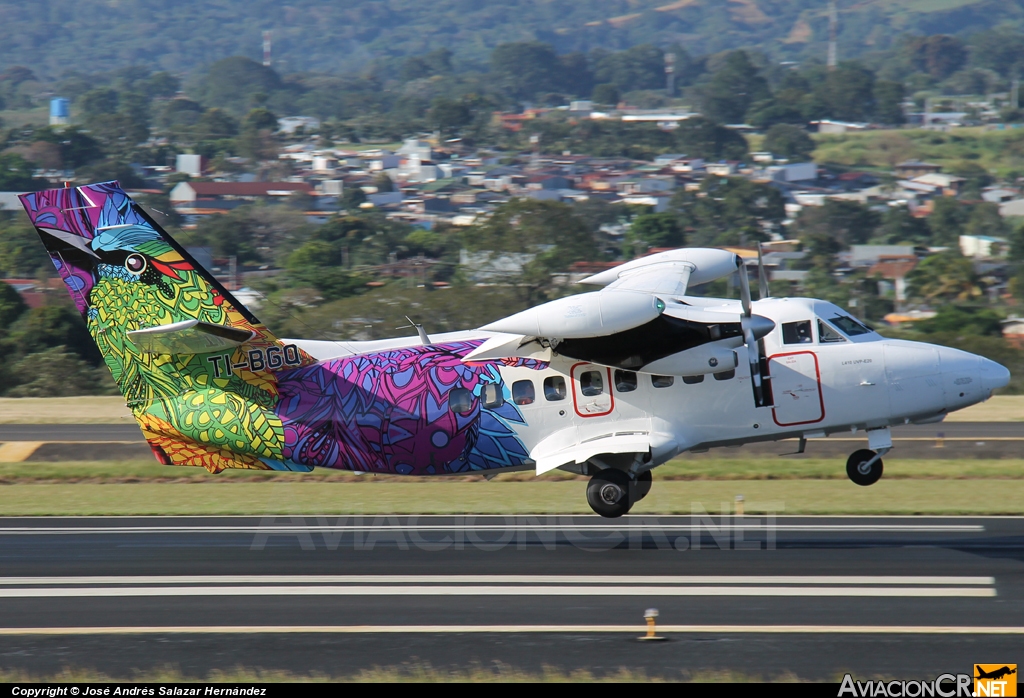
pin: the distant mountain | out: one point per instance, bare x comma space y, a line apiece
58, 36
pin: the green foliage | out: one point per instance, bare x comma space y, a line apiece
789, 141
729, 211
733, 89
654, 230
900, 227
831, 228
21, 253
58, 372
15, 173
254, 234
232, 83
606, 93
545, 236
888, 96
525, 69
940, 56
11, 306
47, 327
963, 320
638, 68
943, 278
848, 93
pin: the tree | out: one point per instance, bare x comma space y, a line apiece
947, 220
900, 227
11, 306
638, 68
15, 173
847, 92
888, 97
449, 115
733, 89
702, 138
260, 119
231, 83
940, 56
789, 141
985, 220
216, 124
831, 228
729, 211
525, 69
944, 277
542, 236
654, 230
58, 372
606, 93
49, 326
958, 319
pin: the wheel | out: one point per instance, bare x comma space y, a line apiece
856, 468
608, 493
642, 485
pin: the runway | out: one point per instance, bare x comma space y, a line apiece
896, 596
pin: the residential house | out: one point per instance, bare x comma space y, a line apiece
915, 168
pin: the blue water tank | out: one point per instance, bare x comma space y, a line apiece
59, 107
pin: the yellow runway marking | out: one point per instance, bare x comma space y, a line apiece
18, 451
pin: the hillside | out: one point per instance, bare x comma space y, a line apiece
60, 36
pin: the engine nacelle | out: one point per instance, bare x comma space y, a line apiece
594, 314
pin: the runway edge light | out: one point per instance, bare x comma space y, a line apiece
651, 615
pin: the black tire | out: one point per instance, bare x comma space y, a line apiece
608, 493
855, 468
642, 485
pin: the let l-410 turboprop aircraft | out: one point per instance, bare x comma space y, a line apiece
610, 383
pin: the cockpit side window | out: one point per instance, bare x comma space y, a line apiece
828, 335
849, 326
797, 332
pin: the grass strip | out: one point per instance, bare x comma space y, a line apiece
896, 497
732, 469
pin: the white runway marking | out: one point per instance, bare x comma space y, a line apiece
495, 579
488, 590
631, 629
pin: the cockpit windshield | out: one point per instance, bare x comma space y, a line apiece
849, 326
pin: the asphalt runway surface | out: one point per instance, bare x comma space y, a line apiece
904, 597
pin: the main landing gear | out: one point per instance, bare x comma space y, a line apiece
864, 467
612, 492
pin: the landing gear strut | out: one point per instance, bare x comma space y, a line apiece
864, 467
612, 493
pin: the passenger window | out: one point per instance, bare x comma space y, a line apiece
492, 396
460, 400
662, 381
725, 375
591, 383
826, 334
693, 380
523, 393
797, 332
554, 388
625, 381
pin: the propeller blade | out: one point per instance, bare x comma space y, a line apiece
762, 277
744, 287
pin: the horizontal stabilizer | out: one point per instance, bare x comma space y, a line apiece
188, 337
668, 273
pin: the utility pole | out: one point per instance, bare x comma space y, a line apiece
833, 27
266, 48
670, 74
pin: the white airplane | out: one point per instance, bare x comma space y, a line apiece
610, 384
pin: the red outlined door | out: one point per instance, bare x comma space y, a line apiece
796, 387
592, 390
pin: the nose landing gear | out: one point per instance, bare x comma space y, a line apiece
864, 467
612, 493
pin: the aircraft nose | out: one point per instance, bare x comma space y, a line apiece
994, 375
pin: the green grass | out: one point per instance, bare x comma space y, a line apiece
997, 151
890, 496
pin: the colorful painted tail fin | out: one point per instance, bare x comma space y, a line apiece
194, 365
